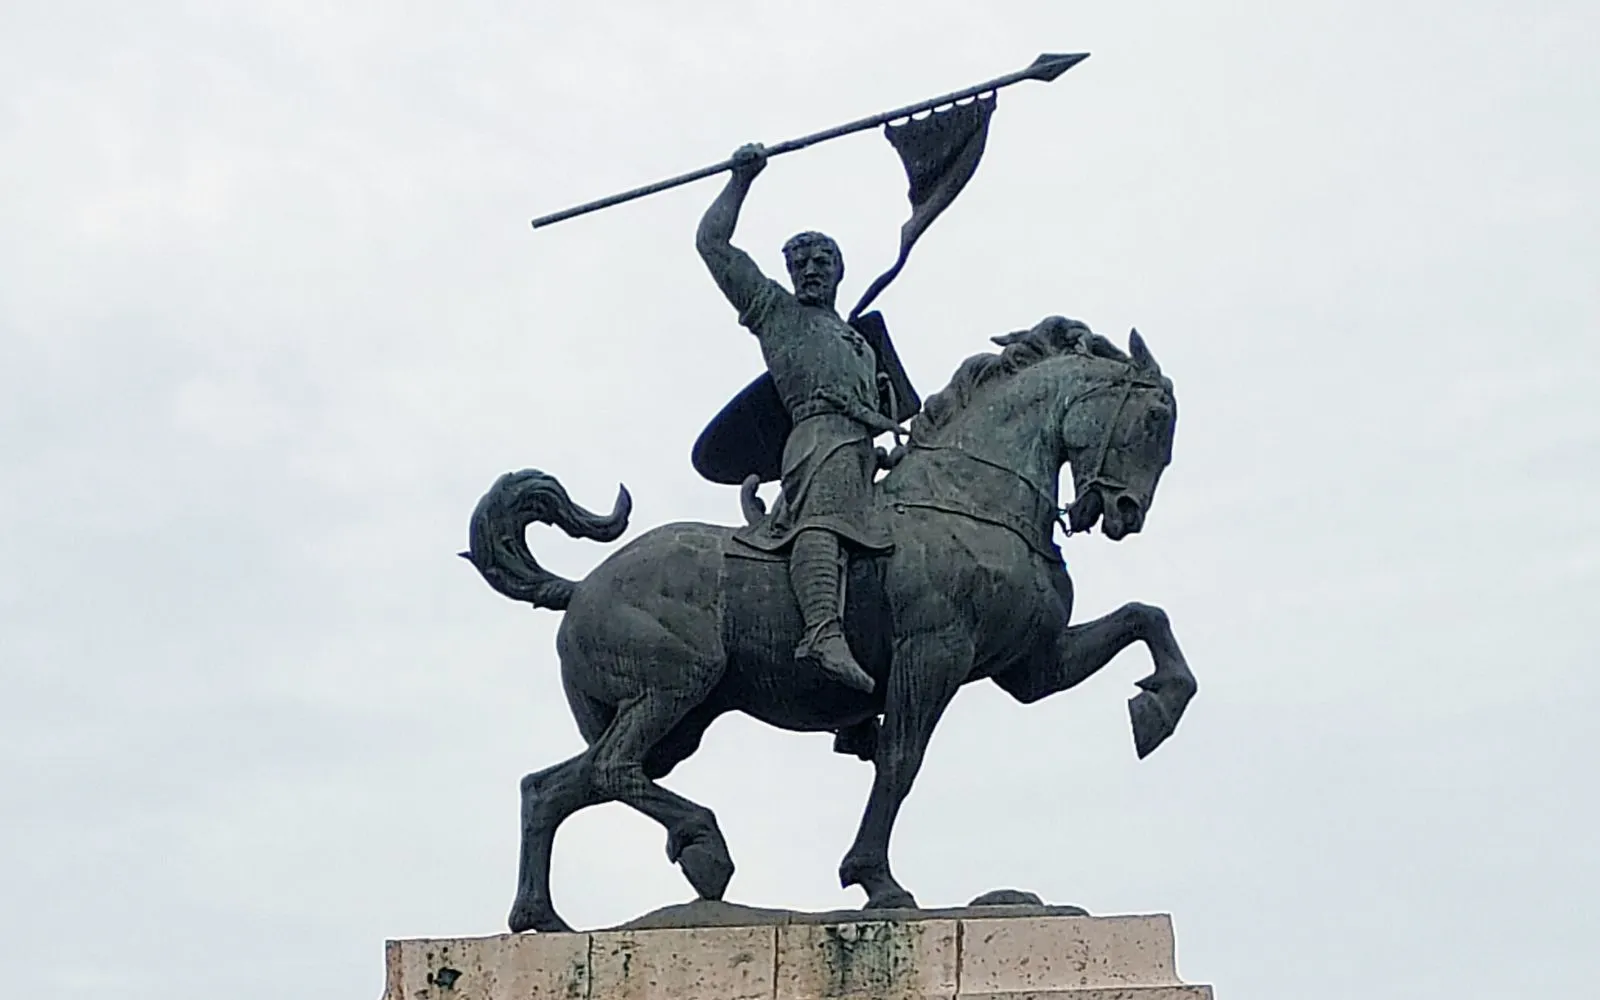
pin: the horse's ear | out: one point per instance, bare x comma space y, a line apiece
1141, 355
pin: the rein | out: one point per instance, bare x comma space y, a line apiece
1051, 503
1096, 478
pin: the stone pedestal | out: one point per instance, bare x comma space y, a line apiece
928, 955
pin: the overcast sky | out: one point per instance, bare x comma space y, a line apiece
272, 319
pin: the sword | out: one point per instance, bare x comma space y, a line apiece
1044, 69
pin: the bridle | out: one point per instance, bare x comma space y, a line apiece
1097, 478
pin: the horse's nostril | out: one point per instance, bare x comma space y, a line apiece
1129, 511
1086, 511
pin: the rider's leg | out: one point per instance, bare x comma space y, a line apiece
816, 571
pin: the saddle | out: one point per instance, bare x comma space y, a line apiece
761, 579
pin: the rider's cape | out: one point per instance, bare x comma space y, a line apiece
748, 436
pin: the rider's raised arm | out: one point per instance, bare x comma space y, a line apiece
735, 273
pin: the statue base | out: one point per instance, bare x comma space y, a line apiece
715, 951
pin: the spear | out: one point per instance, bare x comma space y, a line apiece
1044, 69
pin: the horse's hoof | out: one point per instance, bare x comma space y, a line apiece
1151, 722
532, 917
892, 899
708, 870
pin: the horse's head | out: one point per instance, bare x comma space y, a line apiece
1058, 394
1117, 433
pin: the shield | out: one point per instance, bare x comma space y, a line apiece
748, 436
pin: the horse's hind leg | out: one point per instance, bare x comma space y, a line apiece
613, 770
694, 840
548, 798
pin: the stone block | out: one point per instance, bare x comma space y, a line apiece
524, 966
700, 963
1044, 954
881, 960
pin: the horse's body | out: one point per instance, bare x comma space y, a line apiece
683, 624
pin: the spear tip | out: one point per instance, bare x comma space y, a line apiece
1052, 64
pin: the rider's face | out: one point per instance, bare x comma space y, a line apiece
814, 270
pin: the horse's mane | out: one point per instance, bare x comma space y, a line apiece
1052, 337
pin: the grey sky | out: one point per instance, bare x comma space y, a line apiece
271, 319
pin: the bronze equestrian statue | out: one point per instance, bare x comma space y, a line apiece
880, 582
687, 622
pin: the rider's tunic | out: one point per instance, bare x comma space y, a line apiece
824, 372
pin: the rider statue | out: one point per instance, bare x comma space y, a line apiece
827, 376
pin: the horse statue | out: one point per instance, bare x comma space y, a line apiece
682, 624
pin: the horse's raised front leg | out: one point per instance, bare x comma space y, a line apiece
1085, 648
926, 673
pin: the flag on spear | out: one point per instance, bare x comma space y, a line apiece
940, 153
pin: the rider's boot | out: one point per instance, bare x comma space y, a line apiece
816, 571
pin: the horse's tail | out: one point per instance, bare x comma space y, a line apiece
499, 545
